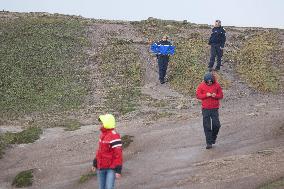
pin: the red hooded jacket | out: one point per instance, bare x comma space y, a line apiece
209, 102
109, 154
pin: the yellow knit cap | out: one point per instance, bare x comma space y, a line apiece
108, 121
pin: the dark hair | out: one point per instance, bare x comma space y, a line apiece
208, 77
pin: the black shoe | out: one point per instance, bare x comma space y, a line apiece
217, 69
162, 82
209, 146
210, 69
214, 139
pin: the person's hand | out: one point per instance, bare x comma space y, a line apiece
117, 175
222, 48
94, 169
208, 94
213, 94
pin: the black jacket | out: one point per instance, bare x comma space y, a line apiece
218, 36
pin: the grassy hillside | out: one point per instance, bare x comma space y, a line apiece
43, 60
189, 64
40, 65
256, 61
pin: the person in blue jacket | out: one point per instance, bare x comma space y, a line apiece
163, 49
217, 41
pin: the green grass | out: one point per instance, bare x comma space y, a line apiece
187, 68
84, 178
40, 65
277, 184
29, 135
122, 76
126, 140
72, 125
255, 62
66, 123
23, 179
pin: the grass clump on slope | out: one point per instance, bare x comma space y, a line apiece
255, 62
277, 184
23, 179
29, 135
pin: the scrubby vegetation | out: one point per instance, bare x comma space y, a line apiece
66, 123
23, 179
187, 70
126, 140
274, 185
40, 65
28, 135
84, 178
122, 73
255, 62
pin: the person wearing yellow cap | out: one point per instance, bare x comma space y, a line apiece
108, 160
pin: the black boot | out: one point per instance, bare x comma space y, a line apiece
209, 146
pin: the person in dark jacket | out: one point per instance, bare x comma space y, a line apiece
217, 41
108, 160
210, 92
163, 49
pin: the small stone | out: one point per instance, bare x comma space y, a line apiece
260, 105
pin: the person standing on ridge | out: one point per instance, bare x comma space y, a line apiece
163, 49
108, 160
210, 92
217, 41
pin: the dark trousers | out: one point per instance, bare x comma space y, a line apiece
211, 124
215, 51
163, 61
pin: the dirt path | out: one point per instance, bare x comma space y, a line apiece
168, 153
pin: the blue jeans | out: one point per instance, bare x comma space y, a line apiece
106, 178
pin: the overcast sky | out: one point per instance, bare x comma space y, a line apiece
261, 13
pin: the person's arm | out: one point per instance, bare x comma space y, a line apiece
95, 163
200, 94
210, 38
223, 38
118, 159
116, 146
171, 49
154, 48
219, 94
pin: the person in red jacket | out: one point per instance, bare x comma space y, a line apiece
108, 160
210, 92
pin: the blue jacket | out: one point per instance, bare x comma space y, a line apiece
163, 48
218, 36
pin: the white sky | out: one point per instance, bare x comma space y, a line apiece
261, 13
